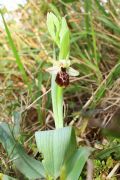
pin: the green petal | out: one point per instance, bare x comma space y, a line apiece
72, 72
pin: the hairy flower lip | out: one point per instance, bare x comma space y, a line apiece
62, 78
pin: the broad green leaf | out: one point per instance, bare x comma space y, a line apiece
64, 40
28, 166
5, 177
75, 165
64, 29
64, 46
57, 146
55, 10
50, 25
59, 32
16, 118
53, 25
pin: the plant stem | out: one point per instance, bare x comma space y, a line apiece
60, 105
57, 103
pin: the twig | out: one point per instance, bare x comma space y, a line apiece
28, 107
113, 171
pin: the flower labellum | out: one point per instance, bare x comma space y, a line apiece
62, 78
62, 70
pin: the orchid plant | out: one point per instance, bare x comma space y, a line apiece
61, 69
61, 157
62, 150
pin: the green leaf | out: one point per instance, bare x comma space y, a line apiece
101, 8
88, 10
18, 60
56, 146
16, 120
59, 32
64, 40
107, 152
110, 24
28, 166
54, 9
5, 177
53, 25
75, 165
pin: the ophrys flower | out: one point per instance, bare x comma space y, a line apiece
62, 70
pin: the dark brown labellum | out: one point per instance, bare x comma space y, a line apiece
62, 78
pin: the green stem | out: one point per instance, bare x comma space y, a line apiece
60, 105
57, 103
